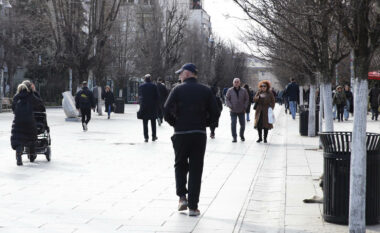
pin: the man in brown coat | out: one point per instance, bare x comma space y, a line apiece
237, 99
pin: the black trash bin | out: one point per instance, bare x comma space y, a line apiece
304, 122
119, 102
336, 179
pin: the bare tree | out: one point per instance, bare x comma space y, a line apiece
360, 24
81, 30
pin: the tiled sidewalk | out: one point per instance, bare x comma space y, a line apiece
108, 180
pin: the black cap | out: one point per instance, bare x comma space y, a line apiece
188, 66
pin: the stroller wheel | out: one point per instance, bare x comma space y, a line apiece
48, 153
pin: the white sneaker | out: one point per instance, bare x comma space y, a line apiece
194, 212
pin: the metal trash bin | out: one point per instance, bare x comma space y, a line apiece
336, 180
304, 122
119, 102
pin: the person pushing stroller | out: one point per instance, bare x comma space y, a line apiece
24, 129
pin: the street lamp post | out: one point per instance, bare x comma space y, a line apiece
4, 4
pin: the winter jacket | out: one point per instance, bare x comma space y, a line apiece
374, 94
163, 92
84, 99
191, 107
149, 100
237, 100
339, 98
24, 130
109, 100
263, 105
292, 92
350, 99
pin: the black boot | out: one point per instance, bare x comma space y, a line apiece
265, 135
260, 131
19, 156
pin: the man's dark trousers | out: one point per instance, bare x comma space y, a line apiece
153, 124
86, 115
234, 117
189, 152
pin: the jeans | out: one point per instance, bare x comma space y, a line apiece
109, 110
248, 116
334, 112
347, 110
153, 124
86, 115
234, 117
189, 152
293, 108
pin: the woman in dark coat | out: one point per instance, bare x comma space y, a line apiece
264, 99
109, 100
220, 108
250, 94
24, 130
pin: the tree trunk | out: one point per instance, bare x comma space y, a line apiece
358, 160
301, 96
320, 114
358, 170
327, 107
311, 126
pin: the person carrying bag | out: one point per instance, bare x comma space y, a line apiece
264, 117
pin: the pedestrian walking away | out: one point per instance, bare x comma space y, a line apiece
374, 94
250, 95
237, 99
109, 100
84, 101
95, 91
340, 101
149, 104
24, 129
163, 92
292, 92
264, 99
190, 108
219, 103
349, 102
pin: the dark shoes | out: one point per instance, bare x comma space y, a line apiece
265, 140
212, 135
154, 139
19, 158
242, 139
260, 140
234, 140
146, 140
182, 204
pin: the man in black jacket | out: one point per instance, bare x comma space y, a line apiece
149, 104
163, 96
292, 91
84, 101
189, 108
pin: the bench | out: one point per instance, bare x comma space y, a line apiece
6, 103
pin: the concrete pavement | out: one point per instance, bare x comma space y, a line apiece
109, 180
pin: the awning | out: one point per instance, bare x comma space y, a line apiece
374, 75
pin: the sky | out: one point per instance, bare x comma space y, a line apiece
227, 28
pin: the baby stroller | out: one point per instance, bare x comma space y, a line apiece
43, 142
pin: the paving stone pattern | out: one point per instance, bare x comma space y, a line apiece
108, 180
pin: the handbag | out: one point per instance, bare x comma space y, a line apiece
271, 118
139, 114
255, 106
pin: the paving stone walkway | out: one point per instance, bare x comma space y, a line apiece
108, 180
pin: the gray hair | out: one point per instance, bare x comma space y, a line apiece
28, 84
22, 87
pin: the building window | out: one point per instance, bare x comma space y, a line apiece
195, 4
